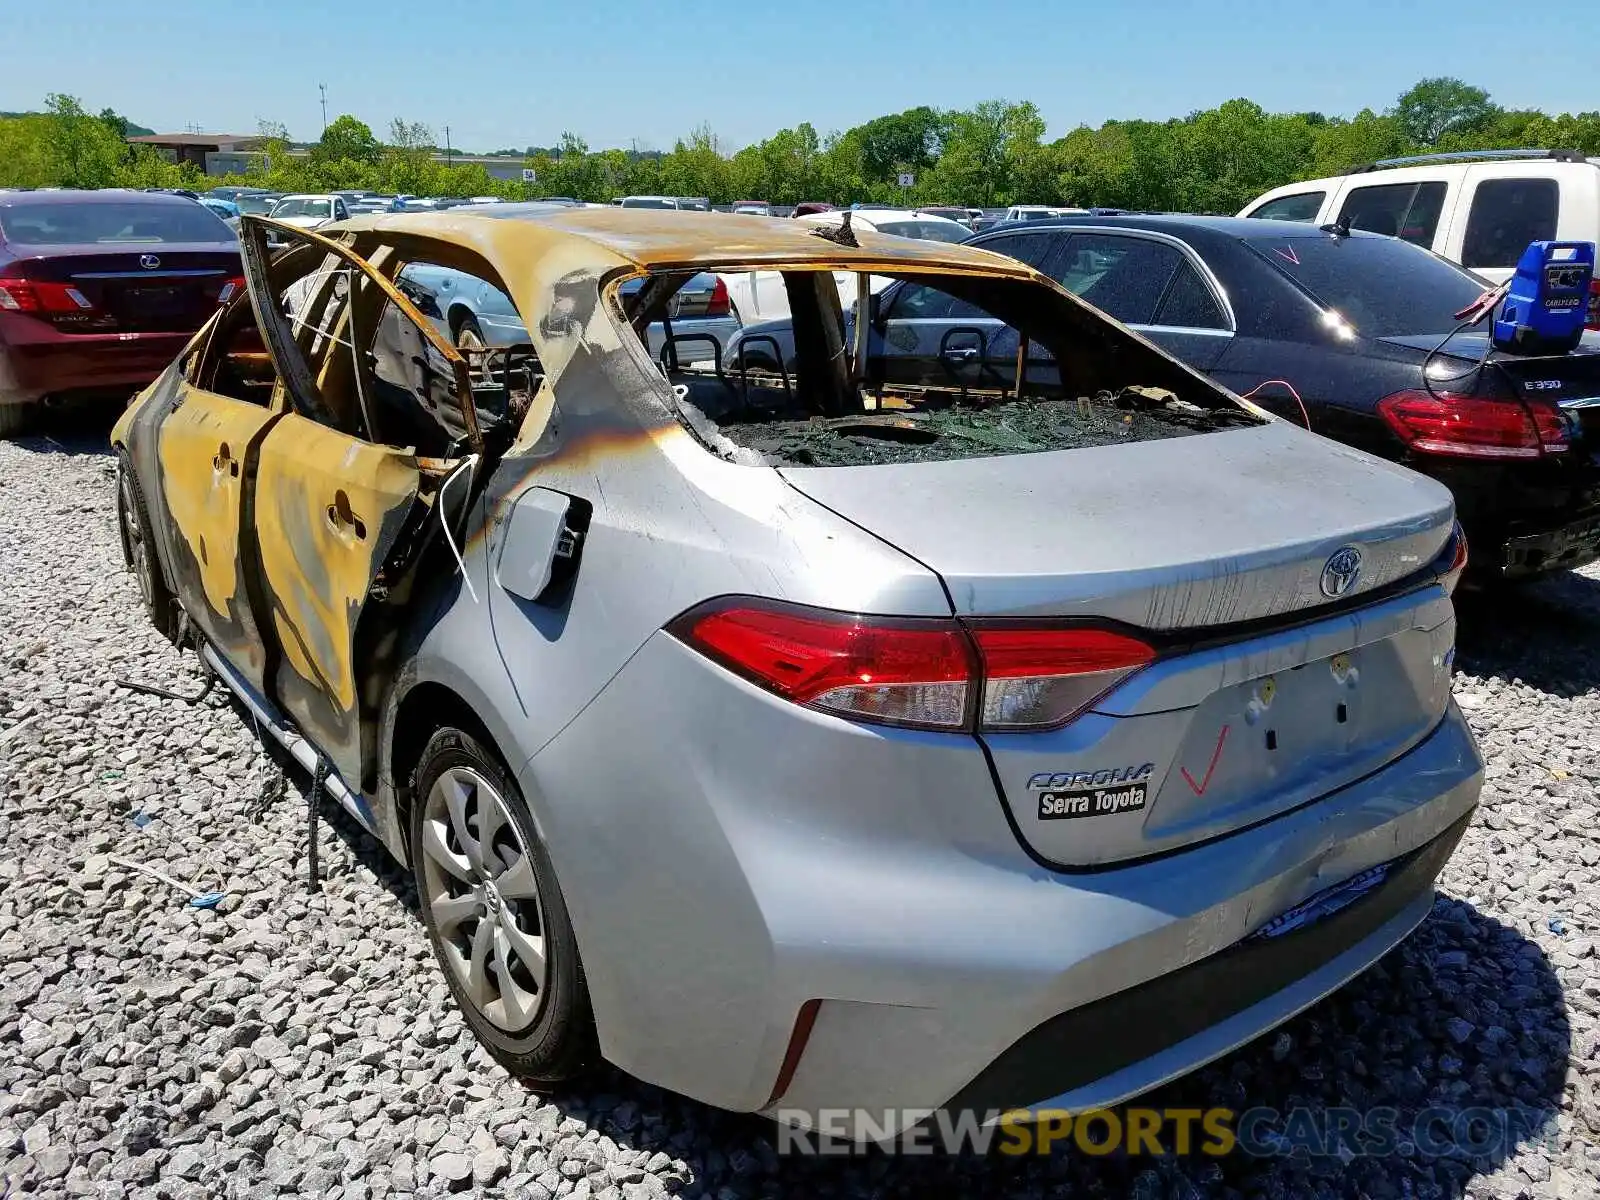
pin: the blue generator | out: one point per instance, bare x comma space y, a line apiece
1547, 299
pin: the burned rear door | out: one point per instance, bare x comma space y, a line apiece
205, 447
333, 501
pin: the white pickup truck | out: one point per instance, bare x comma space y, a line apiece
1477, 208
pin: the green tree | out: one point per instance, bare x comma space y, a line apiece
906, 141
1435, 107
85, 152
346, 140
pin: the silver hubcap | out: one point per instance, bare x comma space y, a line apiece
484, 898
135, 539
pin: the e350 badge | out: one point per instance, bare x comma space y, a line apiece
1092, 793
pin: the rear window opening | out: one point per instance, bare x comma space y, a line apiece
935, 377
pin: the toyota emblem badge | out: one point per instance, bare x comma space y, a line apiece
1340, 572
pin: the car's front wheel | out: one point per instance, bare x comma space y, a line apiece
495, 914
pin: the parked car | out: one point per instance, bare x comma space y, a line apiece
1478, 208
962, 216
100, 290
257, 204
567, 200
808, 208
476, 315
761, 776
752, 208
310, 211
485, 200
1345, 334
233, 194
648, 202
760, 295
228, 211
694, 203
1036, 212
186, 193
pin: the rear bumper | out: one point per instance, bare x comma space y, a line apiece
1117, 1047
1081, 991
36, 361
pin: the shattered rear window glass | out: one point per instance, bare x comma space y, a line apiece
1019, 427
944, 386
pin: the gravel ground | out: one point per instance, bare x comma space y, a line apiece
286, 1044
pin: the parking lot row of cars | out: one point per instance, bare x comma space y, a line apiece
775, 646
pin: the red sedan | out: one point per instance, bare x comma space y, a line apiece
99, 291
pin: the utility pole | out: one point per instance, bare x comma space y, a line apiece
323, 88
449, 158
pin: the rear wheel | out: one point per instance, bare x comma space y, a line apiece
15, 418
469, 336
138, 549
495, 914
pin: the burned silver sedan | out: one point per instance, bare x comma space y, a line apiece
757, 732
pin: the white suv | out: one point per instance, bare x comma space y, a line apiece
1478, 208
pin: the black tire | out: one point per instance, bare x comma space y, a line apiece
139, 550
15, 419
560, 1043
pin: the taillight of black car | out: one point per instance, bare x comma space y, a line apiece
1456, 426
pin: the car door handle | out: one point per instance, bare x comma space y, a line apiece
223, 460
342, 517
961, 353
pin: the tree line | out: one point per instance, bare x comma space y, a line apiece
993, 154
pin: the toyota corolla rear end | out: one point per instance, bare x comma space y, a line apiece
100, 290
1126, 735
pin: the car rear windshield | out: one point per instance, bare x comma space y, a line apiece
1383, 287
640, 202
63, 223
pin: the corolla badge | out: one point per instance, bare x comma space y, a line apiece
149, 262
1340, 572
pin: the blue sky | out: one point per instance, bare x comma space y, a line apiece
518, 72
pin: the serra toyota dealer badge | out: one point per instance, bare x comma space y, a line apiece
1092, 793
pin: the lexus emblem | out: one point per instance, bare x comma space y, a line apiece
149, 262
1340, 572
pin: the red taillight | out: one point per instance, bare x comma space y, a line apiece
902, 672
1592, 321
1470, 428
1041, 678
30, 296
718, 306
230, 289
922, 673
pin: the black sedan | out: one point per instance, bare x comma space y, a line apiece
1340, 332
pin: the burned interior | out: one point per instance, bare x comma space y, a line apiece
1015, 367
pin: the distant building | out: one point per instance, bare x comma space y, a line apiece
234, 154
213, 153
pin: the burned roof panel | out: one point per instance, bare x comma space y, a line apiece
651, 239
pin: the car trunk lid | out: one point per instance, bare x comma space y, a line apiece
1256, 702
161, 288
